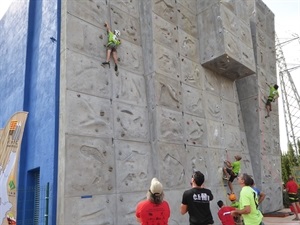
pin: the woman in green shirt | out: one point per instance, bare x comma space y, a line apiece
111, 47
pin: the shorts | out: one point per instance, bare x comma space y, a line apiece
232, 175
293, 197
112, 47
268, 102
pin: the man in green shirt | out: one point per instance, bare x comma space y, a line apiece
248, 202
231, 170
273, 95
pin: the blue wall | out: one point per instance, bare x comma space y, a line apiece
29, 81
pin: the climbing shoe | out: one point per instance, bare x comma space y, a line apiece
106, 63
116, 68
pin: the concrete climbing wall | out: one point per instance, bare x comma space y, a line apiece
165, 114
262, 134
226, 46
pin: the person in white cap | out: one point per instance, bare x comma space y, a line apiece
154, 210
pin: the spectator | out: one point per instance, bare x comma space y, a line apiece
292, 190
261, 195
248, 202
224, 214
154, 210
196, 201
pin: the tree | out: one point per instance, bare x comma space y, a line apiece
285, 167
288, 162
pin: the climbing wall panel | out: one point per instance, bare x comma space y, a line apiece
225, 43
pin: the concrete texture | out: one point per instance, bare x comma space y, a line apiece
264, 151
188, 97
225, 43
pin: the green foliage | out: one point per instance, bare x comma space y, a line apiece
288, 161
285, 168
286, 202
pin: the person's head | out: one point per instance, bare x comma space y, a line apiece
155, 193
117, 33
198, 178
244, 179
237, 157
291, 177
220, 203
276, 86
251, 182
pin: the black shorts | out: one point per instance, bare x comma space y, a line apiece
293, 198
232, 175
112, 47
268, 102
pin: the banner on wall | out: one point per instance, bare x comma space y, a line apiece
10, 143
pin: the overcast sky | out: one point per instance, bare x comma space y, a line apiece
4, 4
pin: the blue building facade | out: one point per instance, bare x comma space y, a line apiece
29, 81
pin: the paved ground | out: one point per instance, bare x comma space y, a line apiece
281, 220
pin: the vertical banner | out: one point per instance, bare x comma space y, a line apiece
10, 143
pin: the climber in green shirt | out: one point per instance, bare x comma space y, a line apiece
273, 95
231, 170
111, 46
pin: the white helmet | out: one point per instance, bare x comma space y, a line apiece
117, 33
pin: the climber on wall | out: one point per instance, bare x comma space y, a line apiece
111, 46
273, 95
231, 170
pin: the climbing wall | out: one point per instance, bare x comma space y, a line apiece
175, 106
262, 133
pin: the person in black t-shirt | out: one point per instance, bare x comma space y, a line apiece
196, 201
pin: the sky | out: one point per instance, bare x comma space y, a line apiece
287, 25
287, 17
4, 4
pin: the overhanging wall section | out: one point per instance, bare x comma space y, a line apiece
225, 43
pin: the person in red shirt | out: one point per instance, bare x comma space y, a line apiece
224, 214
292, 190
154, 210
